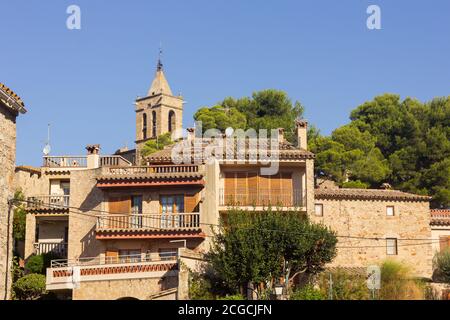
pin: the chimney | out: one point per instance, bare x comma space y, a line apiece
301, 127
280, 135
190, 134
93, 156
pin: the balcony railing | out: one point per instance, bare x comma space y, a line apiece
66, 274
65, 161
58, 248
263, 197
114, 161
171, 221
48, 202
153, 169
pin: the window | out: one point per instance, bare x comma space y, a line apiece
136, 210
390, 211
391, 246
168, 254
144, 126
170, 205
153, 124
171, 121
127, 256
318, 209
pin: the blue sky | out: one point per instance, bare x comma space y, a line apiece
84, 82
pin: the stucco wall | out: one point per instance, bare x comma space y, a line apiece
368, 219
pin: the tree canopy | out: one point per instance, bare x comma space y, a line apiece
405, 143
266, 109
260, 248
154, 145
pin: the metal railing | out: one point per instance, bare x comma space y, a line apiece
58, 248
119, 259
65, 161
154, 169
178, 221
114, 161
263, 197
48, 201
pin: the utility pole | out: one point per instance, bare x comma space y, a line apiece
330, 289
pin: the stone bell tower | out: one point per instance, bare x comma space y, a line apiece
157, 113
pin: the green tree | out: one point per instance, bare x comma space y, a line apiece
257, 249
266, 109
153, 145
441, 263
19, 218
29, 287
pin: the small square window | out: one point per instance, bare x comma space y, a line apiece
390, 211
318, 210
391, 246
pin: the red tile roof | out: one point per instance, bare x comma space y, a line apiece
440, 217
368, 194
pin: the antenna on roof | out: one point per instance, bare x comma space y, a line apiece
47, 147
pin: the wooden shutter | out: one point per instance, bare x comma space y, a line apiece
119, 206
287, 189
230, 188
112, 256
241, 188
276, 195
252, 187
263, 190
191, 202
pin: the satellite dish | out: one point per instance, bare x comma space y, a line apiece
47, 149
229, 131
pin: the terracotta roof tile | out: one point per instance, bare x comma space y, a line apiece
368, 194
440, 217
11, 99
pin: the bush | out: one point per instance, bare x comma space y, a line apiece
40, 263
35, 264
308, 292
358, 184
442, 265
199, 288
346, 285
397, 283
30, 287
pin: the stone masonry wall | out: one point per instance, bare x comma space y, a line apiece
7, 164
368, 219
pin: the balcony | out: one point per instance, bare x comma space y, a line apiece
53, 203
57, 248
263, 198
142, 226
153, 170
74, 162
67, 274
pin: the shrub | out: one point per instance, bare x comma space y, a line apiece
40, 263
308, 292
199, 288
35, 264
346, 285
30, 287
358, 184
442, 265
397, 283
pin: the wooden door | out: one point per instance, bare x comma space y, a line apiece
119, 206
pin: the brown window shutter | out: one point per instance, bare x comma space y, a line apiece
230, 188
241, 188
119, 205
252, 185
112, 256
191, 202
263, 190
276, 195
287, 189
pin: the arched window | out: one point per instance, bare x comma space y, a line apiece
144, 126
171, 120
153, 124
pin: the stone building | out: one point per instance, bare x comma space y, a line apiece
375, 225
10, 106
440, 229
119, 227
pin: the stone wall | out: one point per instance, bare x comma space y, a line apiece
140, 289
7, 164
364, 218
